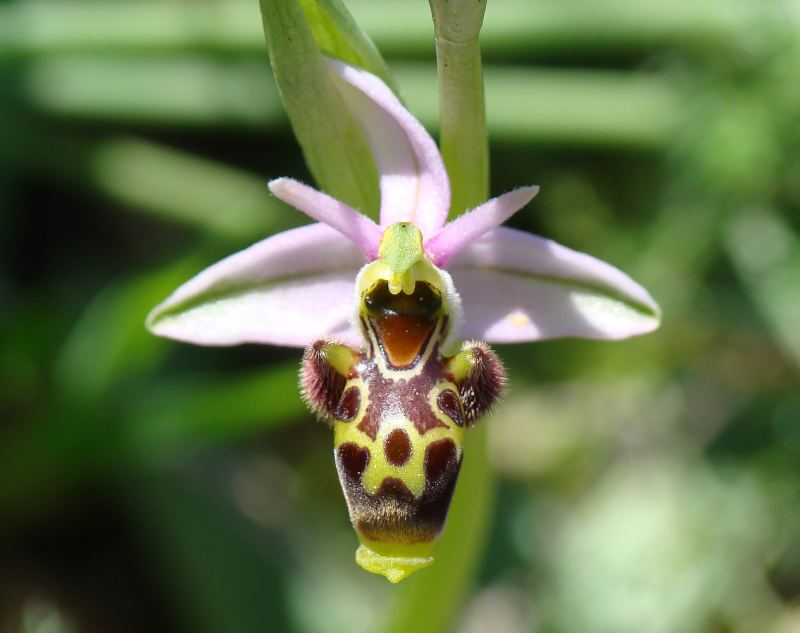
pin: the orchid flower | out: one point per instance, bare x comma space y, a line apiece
378, 307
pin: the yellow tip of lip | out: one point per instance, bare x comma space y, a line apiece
391, 565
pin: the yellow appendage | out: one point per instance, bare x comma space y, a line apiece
396, 562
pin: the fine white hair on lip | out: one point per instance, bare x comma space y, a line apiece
355, 316
454, 309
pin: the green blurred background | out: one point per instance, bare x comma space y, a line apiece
648, 486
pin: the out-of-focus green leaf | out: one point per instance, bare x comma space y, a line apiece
766, 253
525, 104
39, 616
338, 35
332, 142
191, 91
226, 203
136, 427
661, 546
223, 201
400, 26
109, 340
201, 410
220, 574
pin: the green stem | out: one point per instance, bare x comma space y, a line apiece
461, 103
463, 123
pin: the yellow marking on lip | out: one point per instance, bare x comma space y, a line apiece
412, 473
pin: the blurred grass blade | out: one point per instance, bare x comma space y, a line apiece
338, 35
191, 90
225, 202
120, 432
629, 109
400, 26
333, 145
109, 341
208, 409
766, 253
220, 574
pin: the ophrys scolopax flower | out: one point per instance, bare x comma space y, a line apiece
378, 308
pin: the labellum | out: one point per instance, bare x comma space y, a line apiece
400, 406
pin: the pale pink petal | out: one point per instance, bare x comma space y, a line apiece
288, 289
515, 286
363, 232
467, 228
413, 180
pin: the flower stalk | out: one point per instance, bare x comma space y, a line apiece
463, 139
